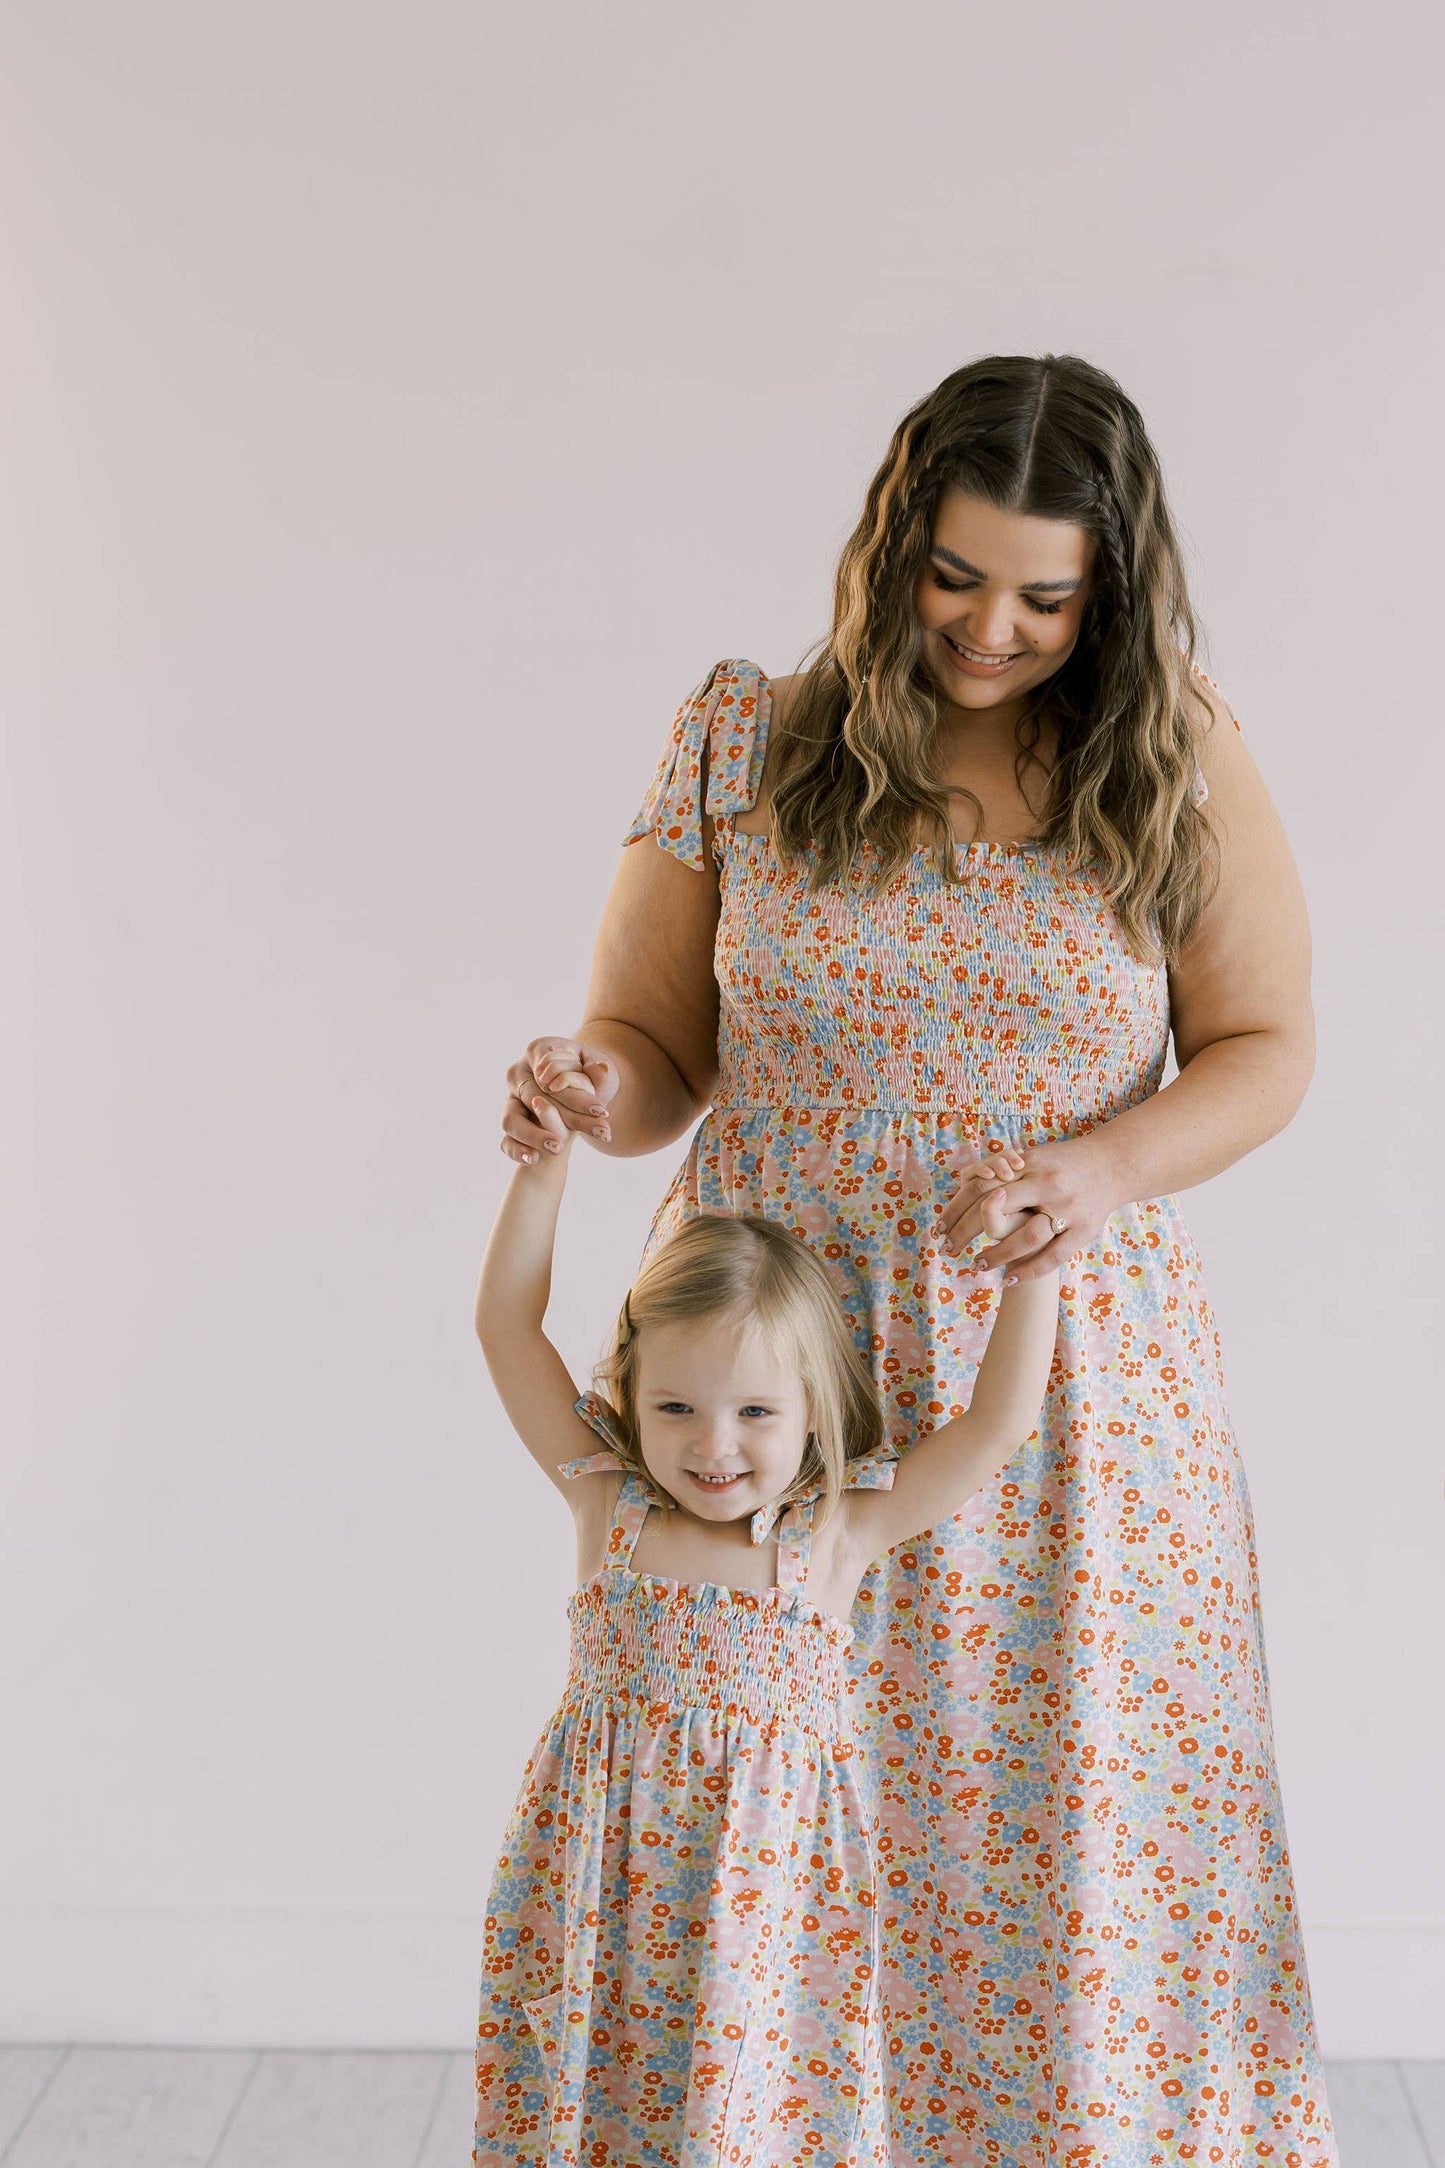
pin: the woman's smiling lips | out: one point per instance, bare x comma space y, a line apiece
974, 664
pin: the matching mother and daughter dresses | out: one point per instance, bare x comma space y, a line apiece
1083, 1924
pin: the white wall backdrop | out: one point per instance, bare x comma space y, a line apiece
399, 409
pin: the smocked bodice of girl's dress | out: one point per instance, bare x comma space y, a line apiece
1088, 1930
680, 1963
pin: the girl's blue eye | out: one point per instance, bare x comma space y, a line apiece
753, 1409
673, 1407
966, 587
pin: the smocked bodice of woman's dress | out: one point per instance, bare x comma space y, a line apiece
1089, 1937
680, 1965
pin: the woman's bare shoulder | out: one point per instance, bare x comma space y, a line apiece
783, 692
1216, 726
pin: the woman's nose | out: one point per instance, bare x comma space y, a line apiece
991, 625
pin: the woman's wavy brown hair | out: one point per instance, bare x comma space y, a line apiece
1056, 438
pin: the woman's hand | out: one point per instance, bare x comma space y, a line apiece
1059, 1197
557, 1085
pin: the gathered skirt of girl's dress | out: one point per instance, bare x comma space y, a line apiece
680, 1964
1087, 1920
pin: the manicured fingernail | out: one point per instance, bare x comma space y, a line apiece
599, 1130
598, 1111
1010, 1279
529, 1159
553, 1144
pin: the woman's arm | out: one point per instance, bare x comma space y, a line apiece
643, 1065
1243, 1036
532, 1381
652, 1001
1239, 996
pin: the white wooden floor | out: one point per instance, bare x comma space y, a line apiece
229, 2108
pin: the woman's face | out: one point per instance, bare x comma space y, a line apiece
1000, 600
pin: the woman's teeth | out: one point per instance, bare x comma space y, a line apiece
971, 654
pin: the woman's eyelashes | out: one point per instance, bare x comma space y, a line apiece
966, 587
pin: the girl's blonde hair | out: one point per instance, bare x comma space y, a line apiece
750, 1271
1056, 438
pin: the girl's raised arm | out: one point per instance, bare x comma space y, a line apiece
533, 1382
940, 1475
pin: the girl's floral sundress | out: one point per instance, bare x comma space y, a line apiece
1090, 1949
680, 1960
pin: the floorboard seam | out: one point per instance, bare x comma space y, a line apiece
24, 2124
1427, 2142
232, 2112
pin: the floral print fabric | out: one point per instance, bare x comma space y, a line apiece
1090, 1948
680, 1961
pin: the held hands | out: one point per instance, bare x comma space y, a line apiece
557, 1086
1055, 1199
983, 1196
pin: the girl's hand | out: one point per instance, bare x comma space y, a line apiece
558, 1085
1058, 1200
982, 1197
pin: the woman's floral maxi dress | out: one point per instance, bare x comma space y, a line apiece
1090, 1946
680, 1965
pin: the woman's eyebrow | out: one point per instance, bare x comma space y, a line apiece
1032, 587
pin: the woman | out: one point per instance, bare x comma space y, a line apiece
951, 888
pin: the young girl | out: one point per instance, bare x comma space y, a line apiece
680, 1964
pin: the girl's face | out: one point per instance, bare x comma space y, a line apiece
1000, 600
723, 1421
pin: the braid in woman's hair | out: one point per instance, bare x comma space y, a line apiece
871, 640
911, 528
890, 498
896, 512
1113, 545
